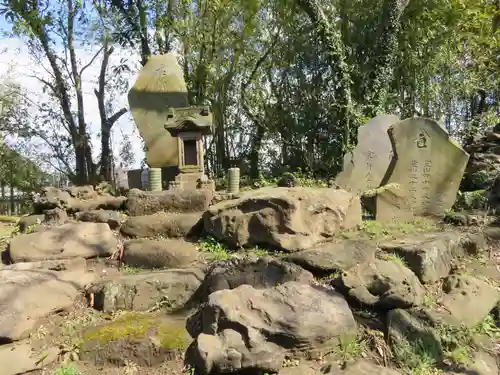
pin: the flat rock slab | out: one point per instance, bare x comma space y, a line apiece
366, 166
72, 240
290, 317
429, 255
384, 284
110, 217
469, 300
20, 358
30, 294
331, 257
427, 164
143, 291
161, 224
170, 253
140, 203
290, 219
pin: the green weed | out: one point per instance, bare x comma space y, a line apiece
67, 370
215, 249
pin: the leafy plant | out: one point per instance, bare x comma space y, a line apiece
216, 249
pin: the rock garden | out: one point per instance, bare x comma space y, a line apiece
277, 280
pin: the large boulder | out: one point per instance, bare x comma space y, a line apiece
72, 240
384, 284
171, 289
468, 299
290, 219
260, 273
144, 339
31, 291
329, 258
21, 358
159, 254
111, 217
51, 197
430, 256
250, 329
161, 224
141, 203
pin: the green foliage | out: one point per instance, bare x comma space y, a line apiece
215, 249
378, 230
68, 370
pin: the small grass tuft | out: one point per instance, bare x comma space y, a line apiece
215, 249
67, 370
416, 357
377, 230
394, 258
132, 270
350, 348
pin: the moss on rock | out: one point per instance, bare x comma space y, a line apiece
135, 336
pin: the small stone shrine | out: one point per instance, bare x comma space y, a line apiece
188, 125
366, 166
427, 165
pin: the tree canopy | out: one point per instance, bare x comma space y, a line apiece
289, 81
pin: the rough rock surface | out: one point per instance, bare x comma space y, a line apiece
144, 291
141, 203
20, 358
28, 222
383, 284
29, 292
430, 255
360, 367
331, 257
291, 219
144, 339
56, 216
159, 254
468, 299
161, 224
71, 240
260, 273
110, 217
251, 329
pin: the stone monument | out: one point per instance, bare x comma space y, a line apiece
188, 125
366, 166
159, 86
426, 164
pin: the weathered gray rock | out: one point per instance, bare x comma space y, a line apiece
366, 166
159, 253
140, 203
430, 255
110, 217
28, 222
384, 284
144, 291
291, 219
330, 257
56, 216
408, 330
469, 300
20, 358
51, 197
482, 364
260, 273
161, 224
71, 240
247, 328
30, 292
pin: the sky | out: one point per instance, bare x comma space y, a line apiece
15, 61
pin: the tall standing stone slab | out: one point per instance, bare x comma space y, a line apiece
159, 87
366, 166
427, 164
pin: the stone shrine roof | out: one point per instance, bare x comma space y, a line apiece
189, 119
